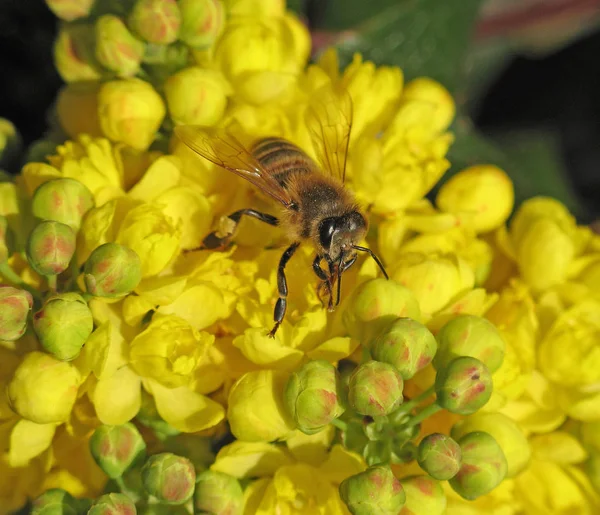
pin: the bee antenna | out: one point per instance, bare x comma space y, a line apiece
372, 254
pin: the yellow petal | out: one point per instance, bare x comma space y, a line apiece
334, 349
185, 409
160, 176
28, 440
118, 397
559, 447
251, 459
341, 464
258, 347
312, 449
104, 352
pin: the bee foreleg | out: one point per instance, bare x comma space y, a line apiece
326, 280
282, 288
221, 237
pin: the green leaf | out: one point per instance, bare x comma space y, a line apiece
423, 37
530, 159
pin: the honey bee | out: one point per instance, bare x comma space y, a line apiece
316, 207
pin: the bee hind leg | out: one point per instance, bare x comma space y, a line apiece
282, 288
220, 238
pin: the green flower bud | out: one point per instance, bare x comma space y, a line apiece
116, 48
375, 389
62, 200
374, 491
424, 496
469, 335
15, 306
112, 270
113, 504
116, 448
169, 478
156, 21
483, 466
218, 493
202, 21
311, 396
197, 449
10, 144
149, 417
50, 247
464, 386
406, 344
74, 53
439, 456
58, 502
4, 253
63, 325
70, 10
375, 304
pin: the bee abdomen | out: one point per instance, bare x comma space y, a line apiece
282, 159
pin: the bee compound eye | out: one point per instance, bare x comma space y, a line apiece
326, 229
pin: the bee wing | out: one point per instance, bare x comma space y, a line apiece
224, 150
329, 121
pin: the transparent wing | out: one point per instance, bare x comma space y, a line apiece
224, 150
329, 121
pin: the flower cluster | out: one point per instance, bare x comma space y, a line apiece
140, 375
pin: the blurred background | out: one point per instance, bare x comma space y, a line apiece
525, 73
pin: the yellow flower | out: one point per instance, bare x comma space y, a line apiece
196, 96
130, 111
482, 196
256, 8
303, 479
43, 389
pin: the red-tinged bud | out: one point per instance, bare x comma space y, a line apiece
424, 496
15, 306
464, 386
406, 344
374, 491
202, 21
116, 48
312, 396
156, 21
50, 247
439, 456
62, 200
113, 504
58, 502
375, 389
70, 10
483, 466
218, 493
112, 270
116, 448
169, 478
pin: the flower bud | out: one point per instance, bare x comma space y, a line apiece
15, 306
312, 396
375, 389
63, 325
112, 504
218, 493
70, 10
112, 270
130, 111
201, 22
439, 456
262, 8
464, 386
116, 48
376, 490
169, 478
197, 96
484, 194
505, 431
58, 502
406, 344
424, 496
156, 21
74, 54
43, 389
11, 144
375, 304
62, 200
50, 247
116, 448
483, 466
469, 335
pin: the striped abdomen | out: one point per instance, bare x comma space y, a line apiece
282, 159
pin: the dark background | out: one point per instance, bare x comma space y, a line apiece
557, 93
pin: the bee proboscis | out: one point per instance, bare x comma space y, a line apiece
315, 206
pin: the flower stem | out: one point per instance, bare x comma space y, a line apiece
407, 407
52, 282
340, 424
423, 414
9, 274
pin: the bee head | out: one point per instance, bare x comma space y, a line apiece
337, 234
